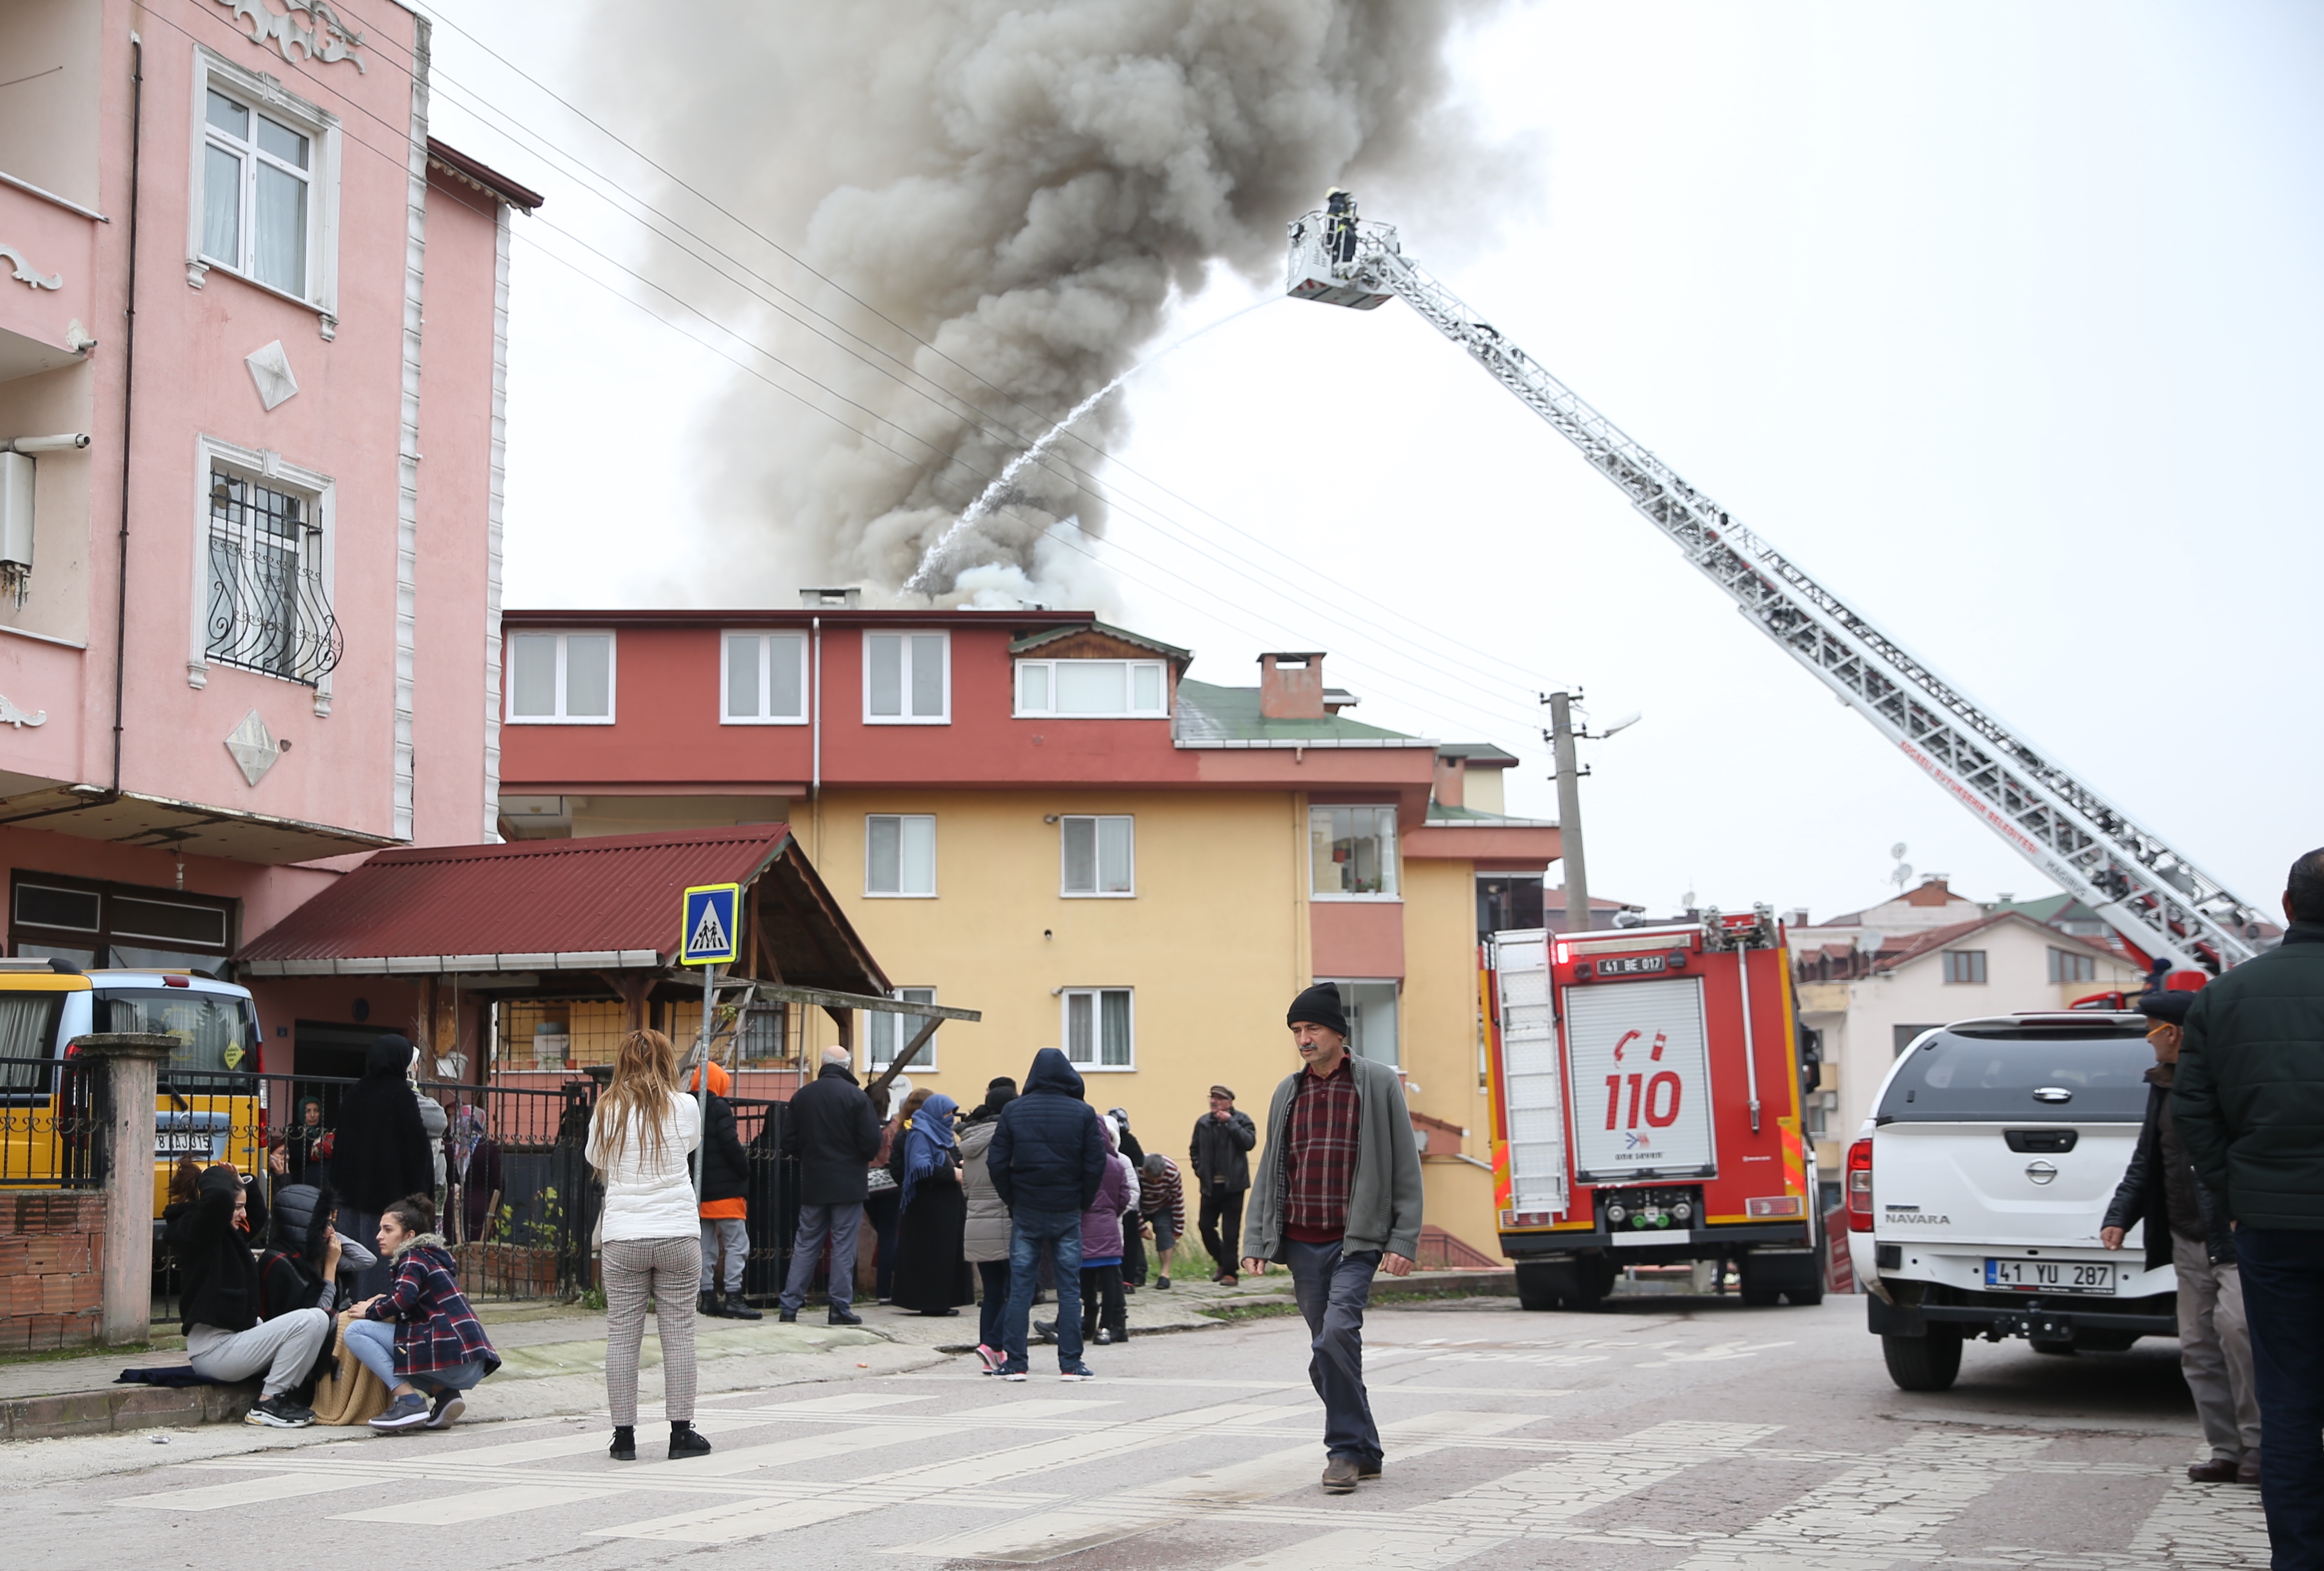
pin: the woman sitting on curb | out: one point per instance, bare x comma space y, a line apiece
421, 1332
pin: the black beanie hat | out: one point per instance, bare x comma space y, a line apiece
1319, 1005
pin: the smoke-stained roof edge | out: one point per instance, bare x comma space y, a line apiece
483, 176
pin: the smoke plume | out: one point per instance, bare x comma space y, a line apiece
1024, 188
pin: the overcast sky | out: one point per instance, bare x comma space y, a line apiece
2002, 320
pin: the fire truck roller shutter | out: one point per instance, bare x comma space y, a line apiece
1641, 1080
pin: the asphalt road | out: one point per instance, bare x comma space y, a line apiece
1695, 1435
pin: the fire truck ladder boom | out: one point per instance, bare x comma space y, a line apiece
2159, 901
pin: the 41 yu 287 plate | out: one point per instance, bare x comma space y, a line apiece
2049, 1276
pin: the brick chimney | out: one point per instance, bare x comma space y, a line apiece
1451, 789
1291, 687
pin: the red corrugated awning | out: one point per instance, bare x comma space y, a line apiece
609, 903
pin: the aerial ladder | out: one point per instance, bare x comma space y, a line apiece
2164, 907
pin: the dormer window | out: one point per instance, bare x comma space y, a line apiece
1093, 689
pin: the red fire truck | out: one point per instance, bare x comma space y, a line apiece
1646, 1084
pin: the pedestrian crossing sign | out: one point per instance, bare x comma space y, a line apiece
707, 931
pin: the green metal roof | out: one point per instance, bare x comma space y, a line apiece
1224, 716
1483, 753
1438, 813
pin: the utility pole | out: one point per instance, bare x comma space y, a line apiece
1569, 811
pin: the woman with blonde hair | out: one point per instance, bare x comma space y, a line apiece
641, 1136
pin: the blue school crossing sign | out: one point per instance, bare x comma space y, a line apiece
707, 930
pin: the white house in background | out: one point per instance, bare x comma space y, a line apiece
1872, 981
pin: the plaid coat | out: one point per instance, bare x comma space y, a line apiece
435, 1328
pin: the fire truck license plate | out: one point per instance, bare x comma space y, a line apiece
2050, 1276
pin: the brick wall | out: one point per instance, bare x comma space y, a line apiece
51, 1269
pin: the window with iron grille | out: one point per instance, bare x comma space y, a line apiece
269, 609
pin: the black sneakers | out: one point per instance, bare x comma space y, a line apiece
686, 1440
278, 1413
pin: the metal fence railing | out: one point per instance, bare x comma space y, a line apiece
518, 1204
51, 1113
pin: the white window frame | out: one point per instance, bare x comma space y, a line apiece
321, 494
900, 893
1064, 889
1047, 710
561, 634
924, 1062
1393, 863
1396, 986
215, 73
907, 634
726, 716
1066, 996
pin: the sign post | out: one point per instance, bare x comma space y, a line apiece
709, 926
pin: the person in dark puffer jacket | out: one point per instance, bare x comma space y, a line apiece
725, 1206
2249, 1099
220, 1300
1046, 1160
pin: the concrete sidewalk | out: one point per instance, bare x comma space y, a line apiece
554, 1356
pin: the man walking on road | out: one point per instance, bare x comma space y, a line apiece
1047, 1160
834, 1137
1338, 1198
1220, 1159
2188, 1229
2250, 1104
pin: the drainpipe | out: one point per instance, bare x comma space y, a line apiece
815, 786
112, 793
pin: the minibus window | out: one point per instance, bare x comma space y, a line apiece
27, 1024
216, 1032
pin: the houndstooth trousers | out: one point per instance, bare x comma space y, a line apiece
668, 1268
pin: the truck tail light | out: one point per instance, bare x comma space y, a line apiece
1775, 1206
1860, 1187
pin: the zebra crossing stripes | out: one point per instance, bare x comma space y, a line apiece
1374, 1551
1124, 1513
260, 1491
474, 1505
1560, 1491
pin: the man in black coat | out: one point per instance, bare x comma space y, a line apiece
2188, 1230
834, 1136
1219, 1157
220, 1300
2250, 1103
1046, 1160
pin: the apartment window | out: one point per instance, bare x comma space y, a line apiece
560, 679
907, 678
2065, 966
1117, 689
1901, 1036
264, 174
1965, 966
1371, 1008
1352, 853
763, 679
900, 854
118, 924
268, 608
1097, 1027
888, 1034
1099, 852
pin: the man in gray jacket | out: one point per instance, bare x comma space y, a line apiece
1337, 1198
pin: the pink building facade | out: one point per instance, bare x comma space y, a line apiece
251, 375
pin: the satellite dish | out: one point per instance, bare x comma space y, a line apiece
1868, 942
1897, 851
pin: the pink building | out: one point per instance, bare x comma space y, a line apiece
252, 368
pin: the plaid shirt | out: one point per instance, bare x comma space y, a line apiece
1164, 1197
435, 1328
1319, 1152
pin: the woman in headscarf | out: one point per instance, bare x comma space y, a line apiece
380, 1151
474, 1172
932, 1278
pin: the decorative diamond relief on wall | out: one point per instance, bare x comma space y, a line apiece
253, 747
270, 368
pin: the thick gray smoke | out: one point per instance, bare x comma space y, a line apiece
1025, 187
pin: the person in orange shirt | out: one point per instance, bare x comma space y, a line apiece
725, 1204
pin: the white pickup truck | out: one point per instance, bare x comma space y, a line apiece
1977, 1189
